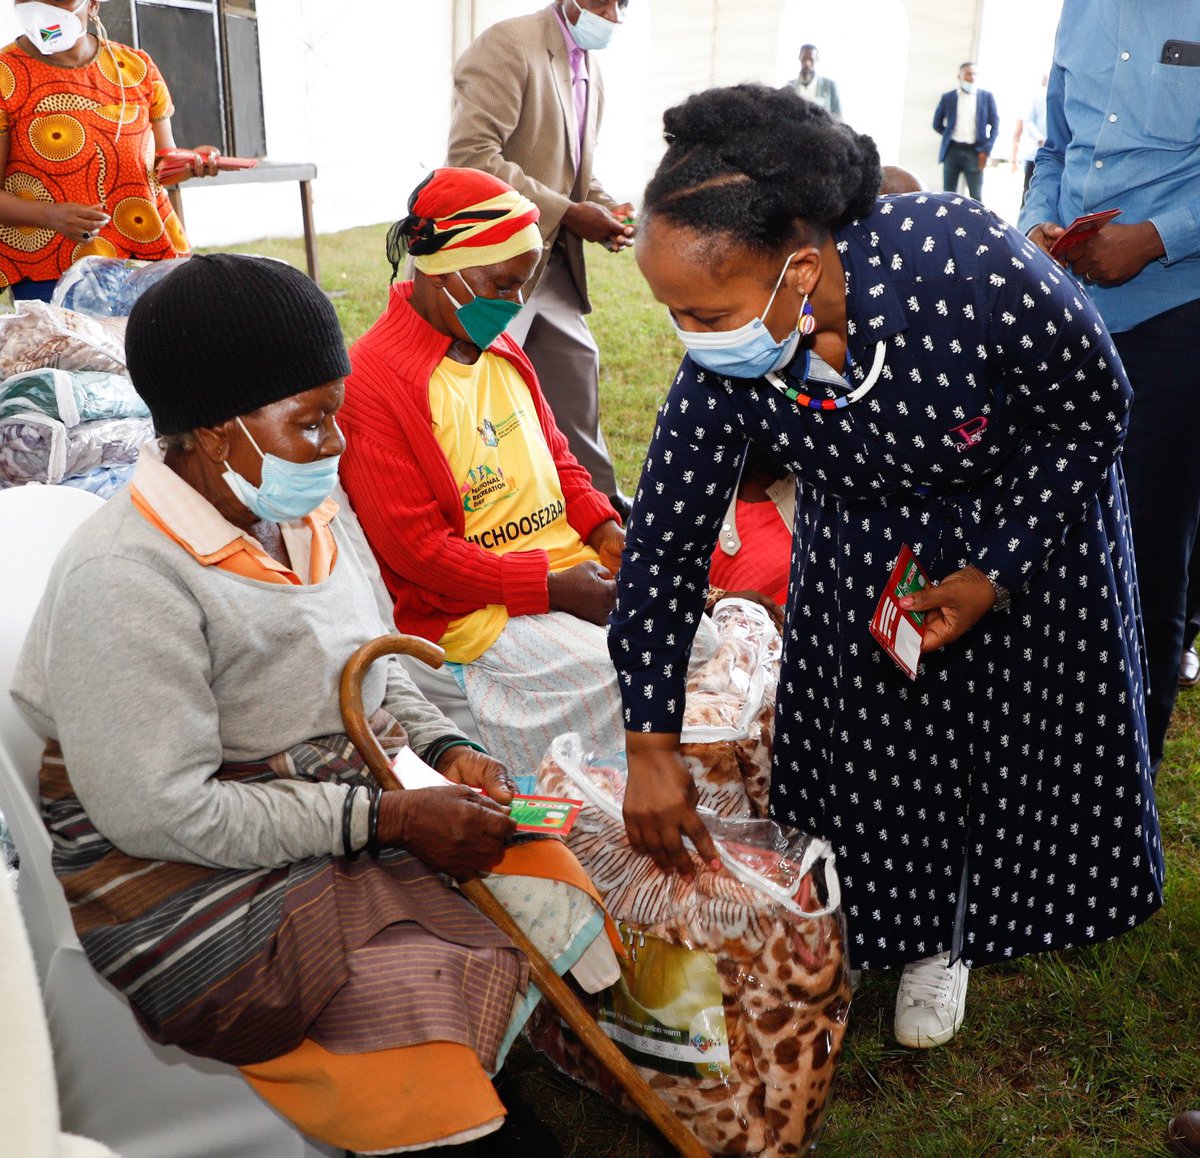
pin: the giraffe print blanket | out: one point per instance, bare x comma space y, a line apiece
784, 983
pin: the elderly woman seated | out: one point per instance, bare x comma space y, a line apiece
206, 811
490, 536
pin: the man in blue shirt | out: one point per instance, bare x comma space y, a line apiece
968, 121
1123, 132
1029, 135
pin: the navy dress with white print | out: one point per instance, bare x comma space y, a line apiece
1001, 804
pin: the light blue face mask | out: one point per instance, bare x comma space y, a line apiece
590, 31
747, 352
289, 490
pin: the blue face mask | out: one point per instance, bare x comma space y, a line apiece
968, 86
589, 30
747, 352
289, 490
484, 319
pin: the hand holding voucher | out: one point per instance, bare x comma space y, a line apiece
454, 830
464, 765
952, 607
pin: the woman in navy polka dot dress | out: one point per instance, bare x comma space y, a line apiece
931, 379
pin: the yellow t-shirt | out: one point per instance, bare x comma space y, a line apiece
486, 424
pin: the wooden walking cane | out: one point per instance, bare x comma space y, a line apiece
552, 986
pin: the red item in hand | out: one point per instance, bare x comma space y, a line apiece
1080, 228
171, 163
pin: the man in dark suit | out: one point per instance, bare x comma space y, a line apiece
528, 99
967, 119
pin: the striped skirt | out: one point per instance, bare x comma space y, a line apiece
237, 964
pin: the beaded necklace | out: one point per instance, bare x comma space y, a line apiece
808, 402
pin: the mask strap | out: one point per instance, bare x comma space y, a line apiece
112, 56
251, 438
454, 301
778, 283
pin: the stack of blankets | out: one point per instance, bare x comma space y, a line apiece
68, 411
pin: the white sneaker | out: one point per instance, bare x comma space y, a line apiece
931, 1001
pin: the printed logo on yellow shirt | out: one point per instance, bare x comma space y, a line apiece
486, 485
492, 432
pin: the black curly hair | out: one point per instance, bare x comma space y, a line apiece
755, 164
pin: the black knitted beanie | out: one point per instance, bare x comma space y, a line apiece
225, 334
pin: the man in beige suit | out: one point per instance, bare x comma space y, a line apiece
528, 99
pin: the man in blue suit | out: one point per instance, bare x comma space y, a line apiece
967, 119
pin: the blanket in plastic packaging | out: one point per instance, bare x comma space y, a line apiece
735, 990
34, 448
37, 334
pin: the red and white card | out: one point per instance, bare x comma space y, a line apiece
898, 631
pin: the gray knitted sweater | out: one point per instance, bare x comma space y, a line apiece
151, 669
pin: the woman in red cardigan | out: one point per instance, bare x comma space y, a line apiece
491, 538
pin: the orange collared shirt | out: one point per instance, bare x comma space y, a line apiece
177, 509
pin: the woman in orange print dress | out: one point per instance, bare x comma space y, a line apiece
81, 119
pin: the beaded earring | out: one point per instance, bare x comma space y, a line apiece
807, 322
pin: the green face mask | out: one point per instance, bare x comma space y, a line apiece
484, 319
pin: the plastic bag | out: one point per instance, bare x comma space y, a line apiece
771, 925
9, 857
38, 335
726, 689
104, 481
728, 714
107, 287
34, 448
71, 396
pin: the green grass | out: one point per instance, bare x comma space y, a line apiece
1086, 1053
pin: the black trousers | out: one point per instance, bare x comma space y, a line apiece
1162, 472
962, 160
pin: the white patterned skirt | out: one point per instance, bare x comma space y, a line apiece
545, 675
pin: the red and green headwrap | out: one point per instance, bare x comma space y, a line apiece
463, 217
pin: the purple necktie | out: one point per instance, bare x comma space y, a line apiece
579, 84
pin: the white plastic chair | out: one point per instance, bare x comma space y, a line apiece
141, 1099
28, 1094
